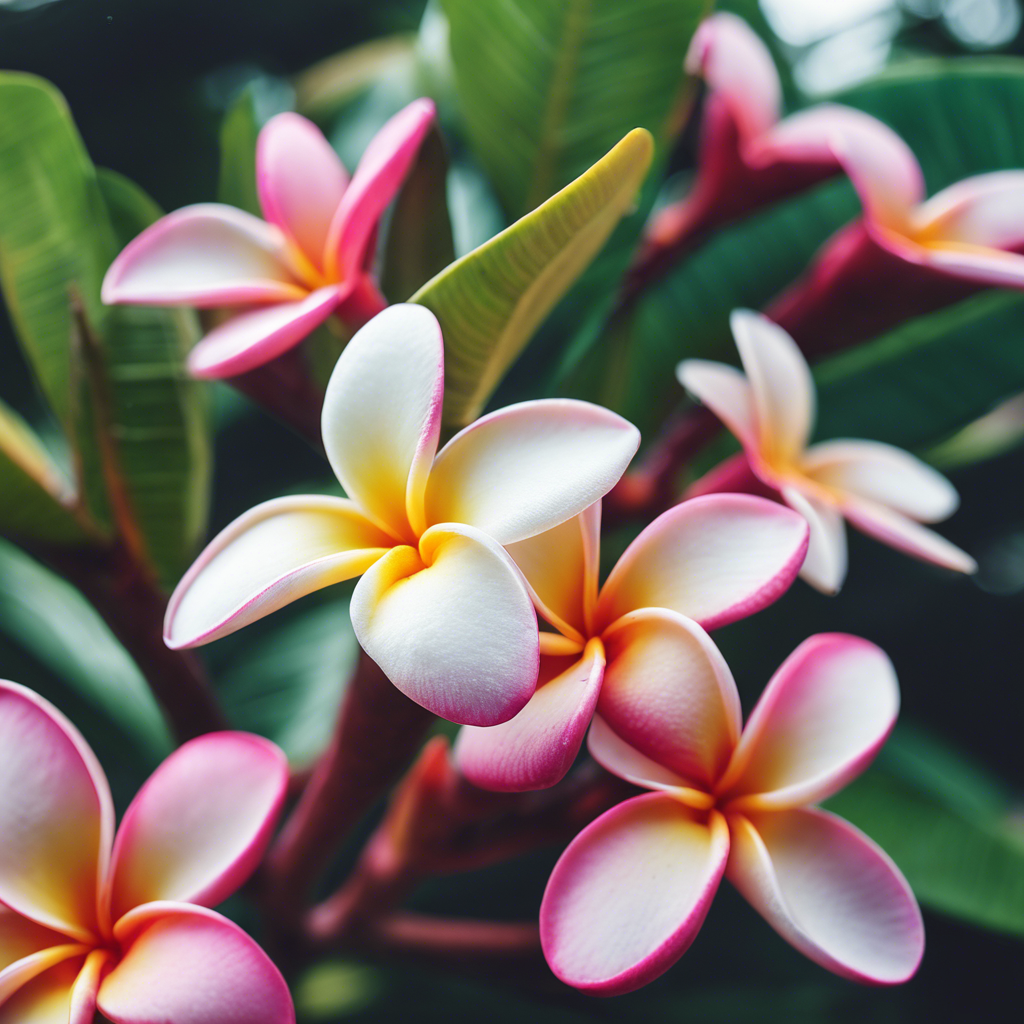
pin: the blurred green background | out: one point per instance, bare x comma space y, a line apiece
149, 83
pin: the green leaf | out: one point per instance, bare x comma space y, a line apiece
547, 86
288, 686
491, 301
59, 627
419, 243
159, 415
948, 829
239, 130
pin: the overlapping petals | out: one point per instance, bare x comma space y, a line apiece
882, 490
628, 650
442, 608
87, 921
286, 275
631, 891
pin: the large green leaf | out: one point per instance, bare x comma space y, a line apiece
491, 301
547, 86
58, 626
948, 829
159, 415
236, 184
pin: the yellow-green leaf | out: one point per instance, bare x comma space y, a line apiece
491, 301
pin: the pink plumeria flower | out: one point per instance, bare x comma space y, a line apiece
748, 157
883, 491
714, 559
288, 274
120, 924
441, 607
631, 891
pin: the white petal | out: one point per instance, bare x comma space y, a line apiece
824, 567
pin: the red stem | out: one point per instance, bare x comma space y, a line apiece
455, 939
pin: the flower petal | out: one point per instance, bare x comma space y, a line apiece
251, 339
189, 965
630, 893
451, 625
535, 749
905, 535
86, 987
46, 999
824, 567
669, 693
561, 567
986, 210
526, 468
819, 723
382, 415
715, 559
20, 937
377, 179
18, 974
272, 555
882, 473
881, 166
56, 816
737, 66
982, 265
198, 828
205, 255
781, 385
300, 182
829, 891
726, 392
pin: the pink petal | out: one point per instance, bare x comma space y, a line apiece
451, 625
669, 693
737, 66
45, 999
781, 385
300, 182
986, 210
561, 567
829, 891
630, 893
526, 468
17, 975
56, 816
189, 965
824, 567
714, 559
375, 183
252, 339
203, 256
20, 937
819, 723
535, 749
984, 266
272, 555
382, 415
905, 535
727, 393
882, 473
881, 166
733, 476
86, 987
198, 828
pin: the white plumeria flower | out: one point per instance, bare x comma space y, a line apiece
882, 490
441, 607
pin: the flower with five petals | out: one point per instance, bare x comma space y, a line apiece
882, 490
89, 920
287, 274
715, 559
629, 894
441, 607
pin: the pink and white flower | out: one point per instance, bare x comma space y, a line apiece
440, 607
285, 275
882, 490
714, 559
629, 894
90, 920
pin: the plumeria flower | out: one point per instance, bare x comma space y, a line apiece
629, 894
287, 274
715, 559
883, 491
748, 157
441, 607
90, 920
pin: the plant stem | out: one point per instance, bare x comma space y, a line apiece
447, 939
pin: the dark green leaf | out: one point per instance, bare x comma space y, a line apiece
236, 185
